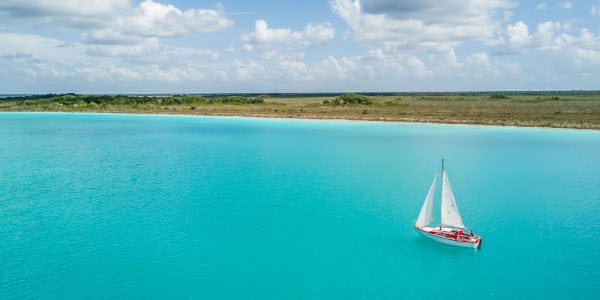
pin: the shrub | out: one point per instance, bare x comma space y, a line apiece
499, 97
349, 99
354, 99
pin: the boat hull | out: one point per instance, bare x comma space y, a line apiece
428, 232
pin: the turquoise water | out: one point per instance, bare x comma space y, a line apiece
117, 206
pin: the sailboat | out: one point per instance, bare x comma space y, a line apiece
451, 230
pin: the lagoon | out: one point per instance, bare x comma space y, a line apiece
125, 206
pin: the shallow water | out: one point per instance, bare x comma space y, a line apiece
108, 206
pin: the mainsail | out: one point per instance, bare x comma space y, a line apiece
426, 215
450, 215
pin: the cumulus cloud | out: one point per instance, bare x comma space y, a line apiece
312, 35
152, 63
479, 65
582, 49
248, 70
380, 68
458, 12
154, 69
420, 24
403, 45
67, 12
44, 48
111, 72
152, 51
35, 56
295, 69
152, 19
118, 40
116, 21
518, 36
32, 57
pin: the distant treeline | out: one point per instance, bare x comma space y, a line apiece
337, 94
237, 97
71, 99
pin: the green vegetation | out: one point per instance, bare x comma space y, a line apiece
577, 109
74, 100
349, 99
499, 97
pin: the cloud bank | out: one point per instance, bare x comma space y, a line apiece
370, 45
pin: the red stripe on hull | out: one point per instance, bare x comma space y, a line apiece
450, 241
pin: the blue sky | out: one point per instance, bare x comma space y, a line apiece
162, 46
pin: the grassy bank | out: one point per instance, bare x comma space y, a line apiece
561, 110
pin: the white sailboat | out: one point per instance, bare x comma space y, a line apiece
451, 230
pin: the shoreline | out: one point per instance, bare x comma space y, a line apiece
330, 120
572, 111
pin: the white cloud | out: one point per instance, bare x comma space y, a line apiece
110, 72
518, 35
155, 19
445, 63
341, 68
119, 41
151, 51
419, 67
312, 35
115, 21
40, 57
248, 70
47, 49
152, 19
481, 62
157, 64
479, 66
31, 57
159, 68
295, 69
549, 38
144, 48
65, 10
404, 45
582, 49
421, 24
393, 71
546, 35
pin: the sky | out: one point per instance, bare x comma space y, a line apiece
234, 46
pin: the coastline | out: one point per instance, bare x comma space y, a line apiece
328, 120
571, 111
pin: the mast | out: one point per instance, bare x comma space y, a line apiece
442, 166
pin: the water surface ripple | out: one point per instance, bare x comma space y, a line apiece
119, 206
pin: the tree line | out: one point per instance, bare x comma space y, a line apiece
72, 99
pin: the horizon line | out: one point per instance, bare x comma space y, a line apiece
373, 93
